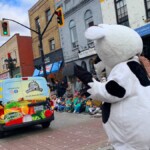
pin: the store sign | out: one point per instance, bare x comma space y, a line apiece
87, 53
4, 76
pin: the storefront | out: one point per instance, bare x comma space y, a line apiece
54, 64
144, 32
86, 61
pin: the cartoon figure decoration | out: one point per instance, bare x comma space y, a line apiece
33, 86
126, 93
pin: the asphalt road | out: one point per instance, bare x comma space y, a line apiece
67, 132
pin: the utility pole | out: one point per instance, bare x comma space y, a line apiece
40, 37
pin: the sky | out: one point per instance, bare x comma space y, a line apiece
16, 10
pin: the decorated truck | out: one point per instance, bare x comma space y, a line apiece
24, 101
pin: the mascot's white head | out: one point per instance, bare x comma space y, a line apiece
114, 43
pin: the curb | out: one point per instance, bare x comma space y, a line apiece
106, 148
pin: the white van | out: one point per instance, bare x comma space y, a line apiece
24, 101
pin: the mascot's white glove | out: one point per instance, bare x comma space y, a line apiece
94, 90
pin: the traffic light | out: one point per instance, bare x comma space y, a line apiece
60, 17
5, 28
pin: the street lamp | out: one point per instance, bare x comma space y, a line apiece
10, 64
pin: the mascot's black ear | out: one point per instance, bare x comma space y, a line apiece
82, 74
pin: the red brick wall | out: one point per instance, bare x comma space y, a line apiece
25, 55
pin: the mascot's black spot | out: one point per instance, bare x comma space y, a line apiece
106, 112
115, 89
139, 72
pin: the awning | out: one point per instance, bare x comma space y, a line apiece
144, 30
56, 66
36, 73
68, 69
48, 69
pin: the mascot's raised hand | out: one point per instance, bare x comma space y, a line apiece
94, 86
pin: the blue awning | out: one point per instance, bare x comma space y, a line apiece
56, 66
48, 69
144, 30
36, 73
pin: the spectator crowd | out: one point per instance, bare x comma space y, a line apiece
66, 99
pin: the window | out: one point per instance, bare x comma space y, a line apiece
121, 12
37, 22
88, 17
48, 15
73, 33
52, 44
147, 6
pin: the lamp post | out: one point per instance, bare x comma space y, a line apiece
10, 64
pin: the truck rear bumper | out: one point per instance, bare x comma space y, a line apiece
7, 128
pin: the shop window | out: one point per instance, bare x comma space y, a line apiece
121, 12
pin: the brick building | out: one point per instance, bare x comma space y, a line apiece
39, 15
20, 48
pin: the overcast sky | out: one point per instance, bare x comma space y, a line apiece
16, 10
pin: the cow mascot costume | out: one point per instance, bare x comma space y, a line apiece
126, 93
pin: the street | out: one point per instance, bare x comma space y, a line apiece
67, 132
